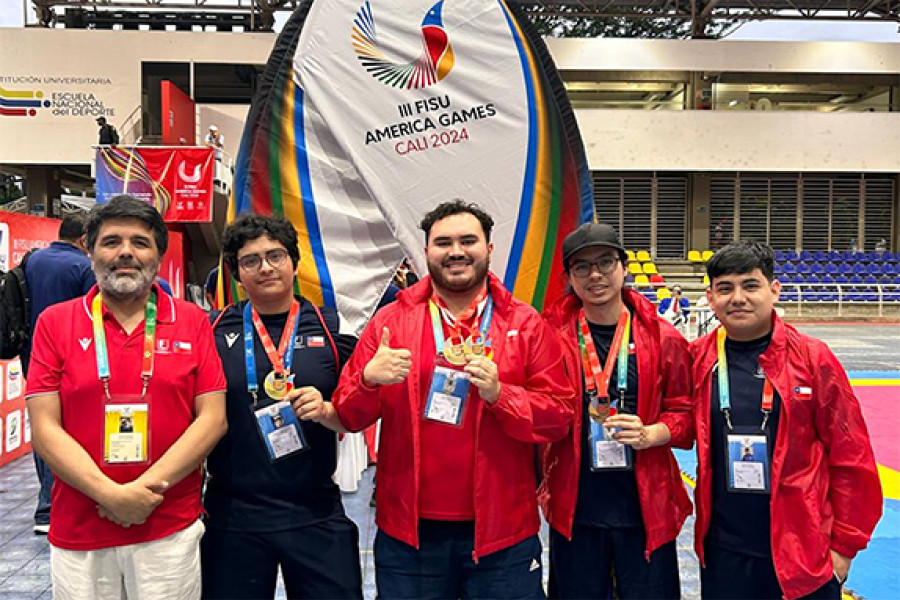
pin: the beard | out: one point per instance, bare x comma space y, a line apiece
456, 284
124, 285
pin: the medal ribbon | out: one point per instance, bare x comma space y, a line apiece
768, 394
438, 319
594, 377
468, 319
280, 359
147, 353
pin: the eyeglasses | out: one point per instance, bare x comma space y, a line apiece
604, 264
252, 262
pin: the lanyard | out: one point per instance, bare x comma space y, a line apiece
439, 316
768, 393
147, 352
280, 359
594, 378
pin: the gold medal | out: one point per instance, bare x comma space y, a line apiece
455, 351
277, 385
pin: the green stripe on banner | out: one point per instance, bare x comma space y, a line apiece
275, 126
543, 280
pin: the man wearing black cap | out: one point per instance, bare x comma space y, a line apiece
612, 491
108, 134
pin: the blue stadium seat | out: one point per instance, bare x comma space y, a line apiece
820, 256
817, 268
779, 256
860, 256
805, 255
845, 268
831, 268
846, 255
803, 268
649, 294
875, 268
834, 256
779, 268
791, 255
860, 268
790, 268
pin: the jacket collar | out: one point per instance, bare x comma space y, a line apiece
771, 360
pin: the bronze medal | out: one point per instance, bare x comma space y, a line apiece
277, 385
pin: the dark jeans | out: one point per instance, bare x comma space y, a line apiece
733, 576
443, 568
45, 478
317, 561
598, 559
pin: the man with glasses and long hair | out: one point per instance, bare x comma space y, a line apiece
271, 499
612, 491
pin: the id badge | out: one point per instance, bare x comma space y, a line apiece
747, 461
126, 429
280, 430
606, 453
447, 395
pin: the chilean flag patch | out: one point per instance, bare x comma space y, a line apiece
181, 347
315, 341
803, 393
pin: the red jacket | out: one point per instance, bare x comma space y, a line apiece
535, 406
663, 396
826, 494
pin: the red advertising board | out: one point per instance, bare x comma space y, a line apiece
18, 234
178, 182
178, 116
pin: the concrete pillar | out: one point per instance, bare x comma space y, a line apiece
43, 189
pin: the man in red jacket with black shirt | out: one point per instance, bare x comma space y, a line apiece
467, 380
612, 491
787, 488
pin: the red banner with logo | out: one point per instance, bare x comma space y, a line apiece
178, 182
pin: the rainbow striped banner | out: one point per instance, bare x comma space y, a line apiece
370, 113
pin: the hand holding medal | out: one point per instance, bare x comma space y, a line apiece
308, 404
485, 377
388, 365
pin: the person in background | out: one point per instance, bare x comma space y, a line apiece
216, 141
787, 488
676, 309
60, 272
107, 134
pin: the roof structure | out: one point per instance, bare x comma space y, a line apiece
259, 14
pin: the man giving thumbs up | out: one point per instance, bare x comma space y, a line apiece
467, 380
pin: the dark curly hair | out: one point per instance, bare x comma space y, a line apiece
456, 207
249, 227
742, 257
124, 207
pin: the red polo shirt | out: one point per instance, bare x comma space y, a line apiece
186, 365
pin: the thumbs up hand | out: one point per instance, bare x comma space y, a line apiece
388, 365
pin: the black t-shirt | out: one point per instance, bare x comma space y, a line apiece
608, 498
739, 520
246, 491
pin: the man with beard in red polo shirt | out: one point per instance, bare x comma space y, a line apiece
467, 380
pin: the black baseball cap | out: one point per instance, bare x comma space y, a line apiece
588, 235
98, 119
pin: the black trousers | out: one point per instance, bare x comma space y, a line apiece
598, 559
443, 568
732, 576
319, 561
